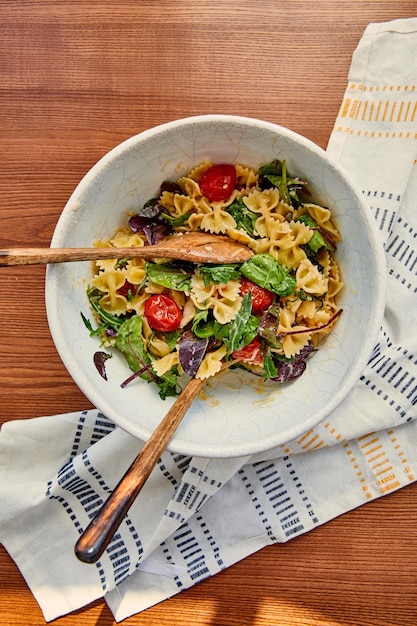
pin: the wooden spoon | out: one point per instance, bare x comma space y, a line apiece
198, 247
94, 540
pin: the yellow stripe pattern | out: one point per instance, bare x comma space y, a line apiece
379, 463
393, 106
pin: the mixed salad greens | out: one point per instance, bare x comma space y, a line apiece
253, 338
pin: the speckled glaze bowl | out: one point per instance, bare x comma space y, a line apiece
237, 414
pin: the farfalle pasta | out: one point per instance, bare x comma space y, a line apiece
175, 319
223, 299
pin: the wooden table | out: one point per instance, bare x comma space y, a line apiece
77, 78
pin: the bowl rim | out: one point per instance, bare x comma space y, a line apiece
353, 375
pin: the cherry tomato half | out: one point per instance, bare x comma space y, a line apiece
250, 353
162, 313
217, 183
261, 298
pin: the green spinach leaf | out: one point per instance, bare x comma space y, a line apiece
167, 276
129, 341
203, 324
266, 272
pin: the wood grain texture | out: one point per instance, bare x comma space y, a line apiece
78, 77
196, 247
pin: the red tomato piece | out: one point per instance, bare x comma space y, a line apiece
251, 353
261, 298
162, 313
218, 182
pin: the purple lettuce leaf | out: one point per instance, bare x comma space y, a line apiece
191, 351
149, 221
154, 231
100, 359
268, 327
290, 370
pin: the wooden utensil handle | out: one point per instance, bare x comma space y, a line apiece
42, 256
94, 540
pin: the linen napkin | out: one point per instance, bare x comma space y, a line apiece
197, 516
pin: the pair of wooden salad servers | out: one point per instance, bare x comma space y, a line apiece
196, 247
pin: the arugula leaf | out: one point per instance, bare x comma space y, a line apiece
219, 273
94, 332
87, 324
240, 331
244, 217
203, 324
279, 179
276, 174
121, 263
300, 293
273, 168
108, 319
270, 369
168, 276
168, 384
176, 221
266, 272
317, 241
172, 337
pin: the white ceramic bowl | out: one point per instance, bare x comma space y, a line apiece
239, 415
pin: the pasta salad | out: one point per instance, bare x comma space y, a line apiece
172, 319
